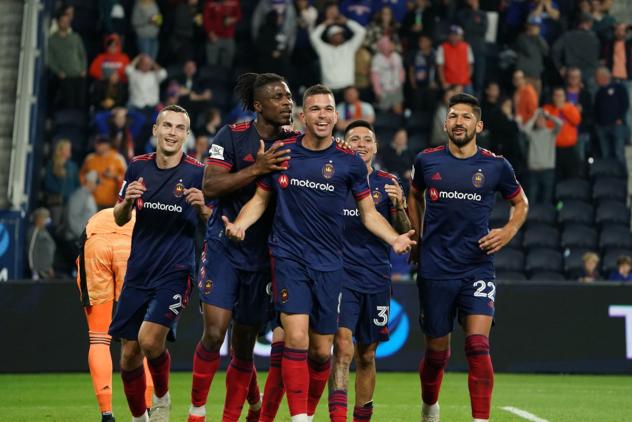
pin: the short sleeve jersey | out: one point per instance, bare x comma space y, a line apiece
310, 197
366, 256
235, 148
163, 237
459, 196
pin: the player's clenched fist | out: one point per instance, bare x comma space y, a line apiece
135, 190
404, 242
233, 231
194, 197
395, 193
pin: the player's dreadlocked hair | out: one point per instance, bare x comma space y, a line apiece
249, 83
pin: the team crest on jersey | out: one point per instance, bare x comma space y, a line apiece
377, 196
284, 295
433, 194
284, 181
328, 170
208, 286
179, 189
478, 179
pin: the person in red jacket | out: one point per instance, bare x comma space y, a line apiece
455, 61
110, 60
220, 19
567, 157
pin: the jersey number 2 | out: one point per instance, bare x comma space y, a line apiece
175, 308
480, 289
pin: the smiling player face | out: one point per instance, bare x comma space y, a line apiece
274, 102
170, 130
362, 140
462, 125
319, 115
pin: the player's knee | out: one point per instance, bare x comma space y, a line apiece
366, 358
320, 352
130, 358
343, 349
151, 347
296, 339
213, 338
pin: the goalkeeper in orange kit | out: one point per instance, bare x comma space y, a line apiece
101, 267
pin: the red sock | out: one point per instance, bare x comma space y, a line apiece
363, 413
431, 374
205, 365
481, 375
274, 389
238, 377
338, 406
295, 374
134, 387
254, 395
318, 376
159, 369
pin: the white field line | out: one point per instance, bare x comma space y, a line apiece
523, 414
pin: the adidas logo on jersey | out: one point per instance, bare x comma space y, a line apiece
436, 176
435, 195
304, 183
162, 207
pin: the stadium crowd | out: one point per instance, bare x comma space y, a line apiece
554, 79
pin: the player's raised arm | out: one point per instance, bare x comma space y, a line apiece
496, 239
130, 193
249, 214
376, 224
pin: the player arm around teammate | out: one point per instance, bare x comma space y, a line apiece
249, 214
377, 224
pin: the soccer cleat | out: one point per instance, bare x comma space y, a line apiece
254, 411
160, 409
107, 417
430, 413
193, 418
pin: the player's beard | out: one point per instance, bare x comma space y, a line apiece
466, 139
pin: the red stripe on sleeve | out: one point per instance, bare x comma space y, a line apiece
219, 163
361, 195
515, 193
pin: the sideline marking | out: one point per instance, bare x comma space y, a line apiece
523, 414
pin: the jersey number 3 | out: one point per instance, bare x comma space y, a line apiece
382, 316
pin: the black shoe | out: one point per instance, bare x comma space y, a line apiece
108, 417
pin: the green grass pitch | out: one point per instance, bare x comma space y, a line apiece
555, 398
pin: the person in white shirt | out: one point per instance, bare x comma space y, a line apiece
144, 76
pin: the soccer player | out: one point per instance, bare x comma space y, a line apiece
165, 188
101, 267
306, 244
366, 286
453, 192
234, 277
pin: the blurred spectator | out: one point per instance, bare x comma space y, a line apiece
146, 19
603, 22
568, 163
109, 61
120, 134
474, 23
396, 157
41, 246
532, 49
388, 76
67, 61
185, 19
337, 55
419, 20
220, 21
211, 124
61, 179
455, 61
383, 25
362, 62
112, 17
109, 93
398, 7
357, 10
352, 108
617, 54
193, 92
590, 272
305, 68
611, 107
287, 14
272, 46
525, 97
505, 135
624, 265
201, 148
110, 166
578, 48
438, 136
145, 76
541, 156
422, 75
64, 9
577, 95
549, 13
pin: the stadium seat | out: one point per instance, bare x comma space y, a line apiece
579, 236
573, 263
542, 214
578, 212
612, 212
70, 117
547, 276
606, 167
509, 259
613, 237
386, 120
517, 240
510, 276
575, 189
500, 213
419, 121
541, 236
610, 189
543, 260
609, 261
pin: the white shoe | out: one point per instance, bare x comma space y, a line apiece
160, 409
430, 413
142, 418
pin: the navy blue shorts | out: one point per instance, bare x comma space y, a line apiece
441, 301
301, 290
246, 293
366, 315
162, 305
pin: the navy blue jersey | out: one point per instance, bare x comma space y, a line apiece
459, 196
235, 148
311, 194
366, 256
163, 238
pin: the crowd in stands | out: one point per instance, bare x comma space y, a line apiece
554, 78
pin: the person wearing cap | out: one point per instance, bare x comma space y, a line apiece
110, 167
455, 61
531, 49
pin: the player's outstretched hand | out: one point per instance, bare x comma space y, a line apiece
194, 197
135, 190
495, 240
342, 142
404, 242
271, 160
233, 231
395, 193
